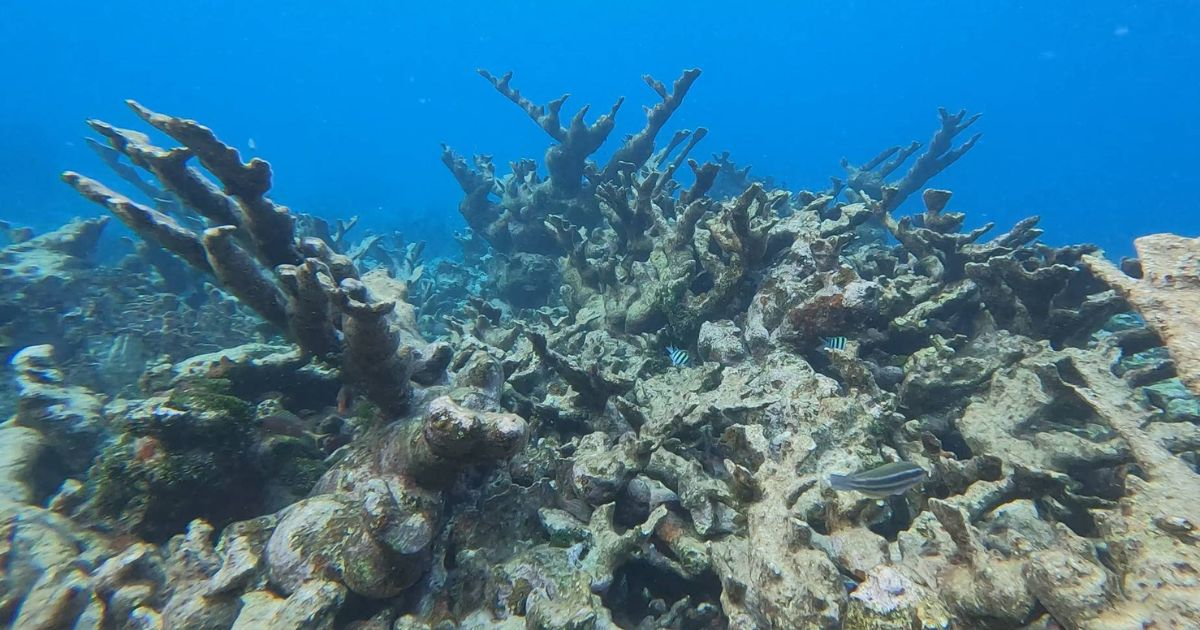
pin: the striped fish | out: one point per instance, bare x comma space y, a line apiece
834, 343
679, 357
885, 481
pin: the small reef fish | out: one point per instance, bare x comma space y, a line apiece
286, 424
834, 343
679, 357
881, 482
345, 397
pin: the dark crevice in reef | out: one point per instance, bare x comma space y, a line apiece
48, 475
1100, 480
642, 590
899, 519
1076, 517
953, 441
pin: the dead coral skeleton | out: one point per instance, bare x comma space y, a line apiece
251, 246
643, 493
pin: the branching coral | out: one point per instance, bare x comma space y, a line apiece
514, 222
690, 490
251, 247
870, 178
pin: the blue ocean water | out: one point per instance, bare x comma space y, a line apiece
1089, 107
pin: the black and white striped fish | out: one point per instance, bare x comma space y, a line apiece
679, 357
834, 343
885, 481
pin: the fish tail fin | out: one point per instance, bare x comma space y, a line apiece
839, 482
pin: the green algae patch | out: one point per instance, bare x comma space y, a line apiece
210, 396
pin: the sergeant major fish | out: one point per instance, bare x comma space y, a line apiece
834, 343
881, 482
679, 357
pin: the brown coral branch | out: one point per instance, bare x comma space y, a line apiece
241, 274
373, 356
485, 217
594, 388
270, 226
638, 147
565, 161
146, 222
112, 158
313, 290
170, 167
940, 154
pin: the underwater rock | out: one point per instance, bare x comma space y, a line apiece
771, 573
372, 518
20, 450
328, 537
61, 597
45, 574
33, 271
542, 586
255, 369
601, 468
938, 376
189, 454
68, 416
1153, 534
527, 280
709, 501
721, 342
982, 585
1015, 527
191, 563
593, 386
241, 549
1029, 416
1178, 403
889, 599
132, 580
1166, 295
313, 605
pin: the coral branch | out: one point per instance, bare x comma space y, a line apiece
239, 272
870, 178
373, 355
146, 222
594, 388
170, 167
271, 226
576, 142
638, 147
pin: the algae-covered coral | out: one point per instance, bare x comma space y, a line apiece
505, 441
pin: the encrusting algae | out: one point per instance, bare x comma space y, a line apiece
632, 403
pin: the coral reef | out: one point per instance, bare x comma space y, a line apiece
544, 462
251, 247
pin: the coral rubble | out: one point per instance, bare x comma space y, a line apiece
545, 462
